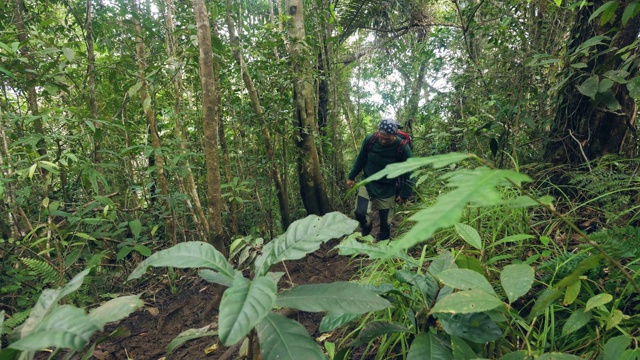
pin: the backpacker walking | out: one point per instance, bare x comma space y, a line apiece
378, 150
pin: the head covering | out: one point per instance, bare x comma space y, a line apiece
388, 126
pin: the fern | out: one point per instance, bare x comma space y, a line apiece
14, 321
559, 266
608, 188
42, 269
620, 243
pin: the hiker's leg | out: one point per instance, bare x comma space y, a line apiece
363, 210
386, 207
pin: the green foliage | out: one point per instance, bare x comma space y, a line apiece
247, 302
52, 325
482, 293
43, 270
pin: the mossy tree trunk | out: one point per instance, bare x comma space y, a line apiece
596, 116
312, 186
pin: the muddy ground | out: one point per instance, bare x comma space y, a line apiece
165, 315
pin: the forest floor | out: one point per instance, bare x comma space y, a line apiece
195, 305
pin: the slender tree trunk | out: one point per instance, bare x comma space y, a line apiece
175, 64
211, 121
257, 108
228, 173
32, 95
91, 89
170, 222
312, 187
417, 84
588, 127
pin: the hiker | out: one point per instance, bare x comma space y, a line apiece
378, 150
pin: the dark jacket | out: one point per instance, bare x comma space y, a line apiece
372, 160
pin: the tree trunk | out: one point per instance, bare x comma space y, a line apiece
416, 85
189, 181
587, 127
153, 130
312, 188
32, 95
91, 89
257, 108
211, 121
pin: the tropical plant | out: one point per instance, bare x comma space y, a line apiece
63, 326
247, 303
449, 307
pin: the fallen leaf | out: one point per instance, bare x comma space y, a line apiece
211, 349
153, 311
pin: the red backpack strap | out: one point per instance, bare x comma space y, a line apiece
372, 140
403, 142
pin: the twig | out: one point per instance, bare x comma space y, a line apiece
581, 150
230, 351
287, 272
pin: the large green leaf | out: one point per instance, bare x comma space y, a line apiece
516, 355
114, 310
193, 254
425, 283
375, 329
48, 301
466, 302
516, 280
603, 9
334, 320
477, 186
476, 327
511, 238
9, 354
444, 261
340, 296
380, 250
414, 163
590, 87
284, 339
614, 348
244, 305
584, 265
630, 11
465, 279
461, 350
65, 327
544, 300
634, 86
427, 346
302, 237
572, 292
189, 335
598, 300
215, 278
558, 356
577, 320
469, 234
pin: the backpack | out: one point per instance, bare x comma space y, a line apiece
405, 139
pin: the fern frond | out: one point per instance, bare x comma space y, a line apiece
12, 322
620, 243
44, 270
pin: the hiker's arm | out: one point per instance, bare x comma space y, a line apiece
360, 161
407, 180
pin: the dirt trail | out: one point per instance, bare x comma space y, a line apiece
165, 315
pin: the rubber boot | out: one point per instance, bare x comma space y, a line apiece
385, 227
361, 215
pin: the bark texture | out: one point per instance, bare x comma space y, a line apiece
586, 128
312, 187
211, 120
